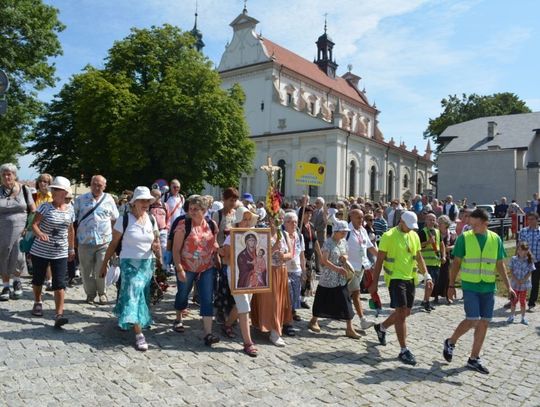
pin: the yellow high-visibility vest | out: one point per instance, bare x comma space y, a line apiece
479, 265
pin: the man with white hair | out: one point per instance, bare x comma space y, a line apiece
95, 213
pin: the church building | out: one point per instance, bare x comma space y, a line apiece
298, 110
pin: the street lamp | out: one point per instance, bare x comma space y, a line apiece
4, 87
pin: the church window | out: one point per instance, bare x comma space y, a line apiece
312, 108
372, 181
390, 186
313, 190
281, 164
352, 179
289, 99
419, 186
406, 181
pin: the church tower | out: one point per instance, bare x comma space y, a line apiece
199, 43
325, 60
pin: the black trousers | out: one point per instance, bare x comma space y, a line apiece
535, 280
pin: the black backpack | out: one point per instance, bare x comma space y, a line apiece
125, 221
170, 237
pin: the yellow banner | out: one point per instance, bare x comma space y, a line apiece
310, 174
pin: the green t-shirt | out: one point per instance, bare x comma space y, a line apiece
403, 248
459, 251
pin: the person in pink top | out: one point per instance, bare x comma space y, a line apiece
159, 210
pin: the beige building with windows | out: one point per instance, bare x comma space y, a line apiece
299, 110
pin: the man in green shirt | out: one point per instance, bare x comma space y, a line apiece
479, 254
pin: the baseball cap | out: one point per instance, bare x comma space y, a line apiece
410, 219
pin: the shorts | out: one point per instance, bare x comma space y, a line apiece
521, 297
401, 293
478, 305
354, 284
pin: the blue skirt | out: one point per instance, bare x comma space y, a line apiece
133, 306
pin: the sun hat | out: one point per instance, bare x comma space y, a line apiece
340, 226
246, 196
239, 215
142, 193
60, 183
217, 206
410, 219
69, 194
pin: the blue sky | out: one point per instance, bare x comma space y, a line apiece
409, 53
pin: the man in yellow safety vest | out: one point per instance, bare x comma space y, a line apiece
399, 254
479, 254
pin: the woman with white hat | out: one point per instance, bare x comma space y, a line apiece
54, 247
139, 234
332, 299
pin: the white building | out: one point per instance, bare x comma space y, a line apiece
487, 158
299, 110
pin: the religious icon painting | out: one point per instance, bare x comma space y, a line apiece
250, 261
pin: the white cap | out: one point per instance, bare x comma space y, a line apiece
239, 215
142, 193
261, 212
217, 205
61, 183
410, 219
340, 226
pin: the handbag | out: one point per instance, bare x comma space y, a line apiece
26, 242
349, 269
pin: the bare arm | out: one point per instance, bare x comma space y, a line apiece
178, 242
116, 236
501, 269
37, 231
381, 256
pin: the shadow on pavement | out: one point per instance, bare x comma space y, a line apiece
409, 374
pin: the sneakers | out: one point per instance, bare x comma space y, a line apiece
4, 295
103, 299
48, 285
140, 343
407, 357
476, 364
60, 320
366, 323
37, 309
425, 306
289, 330
531, 308
510, 319
380, 334
304, 304
17, 290
276, 339
90, 299
448, 350
524, 321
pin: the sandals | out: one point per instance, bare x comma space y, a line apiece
250, 350
228, 331
178, 326
210, 339
37, 309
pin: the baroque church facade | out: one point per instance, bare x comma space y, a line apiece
299, 110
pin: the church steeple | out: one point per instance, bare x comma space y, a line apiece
199, 43
325, 60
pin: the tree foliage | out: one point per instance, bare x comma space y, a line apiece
28, 32
156, 110
456, 110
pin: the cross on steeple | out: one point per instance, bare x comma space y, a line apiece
245, 7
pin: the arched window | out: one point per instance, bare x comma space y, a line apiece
314, 190
406, 181
281, 164
419, 186
390, 185
372, 181
352, 179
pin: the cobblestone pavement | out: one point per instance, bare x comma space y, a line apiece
91, 362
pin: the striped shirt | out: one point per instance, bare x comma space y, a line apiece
55, 224
380, 225
532, 237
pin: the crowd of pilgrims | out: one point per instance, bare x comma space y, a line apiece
187, 240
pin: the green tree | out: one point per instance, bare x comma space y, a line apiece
28, 32
456, 110
155, 110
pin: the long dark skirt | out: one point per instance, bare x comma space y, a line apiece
441, 285
333, 303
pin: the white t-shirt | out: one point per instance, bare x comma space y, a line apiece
358, 243
297, 244
137, 239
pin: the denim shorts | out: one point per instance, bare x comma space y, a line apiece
478, 305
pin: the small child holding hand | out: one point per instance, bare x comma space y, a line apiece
521, 267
